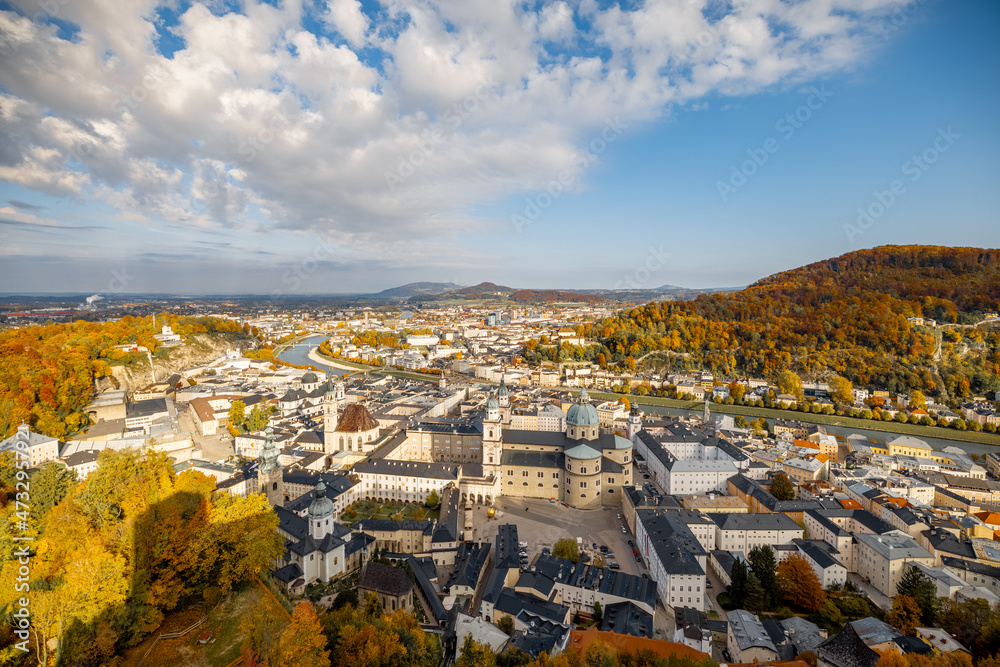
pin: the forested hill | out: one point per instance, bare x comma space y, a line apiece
967, 277
47, 373
845, 316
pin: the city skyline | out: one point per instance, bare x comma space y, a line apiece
352, 147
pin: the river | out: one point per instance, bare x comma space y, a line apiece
298, 353
878, 436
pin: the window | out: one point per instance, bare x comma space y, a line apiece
541, 474
555, 475
583, 485
524, 473
583, 471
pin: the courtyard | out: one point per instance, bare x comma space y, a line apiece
541, 523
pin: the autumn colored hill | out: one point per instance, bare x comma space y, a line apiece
47, 373
846, 316
969, 278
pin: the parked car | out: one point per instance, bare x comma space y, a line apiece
604, 548
623, 530
708, 584
630, 543
613, 566
546, 551
637, 559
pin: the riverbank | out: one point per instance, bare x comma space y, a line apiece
291, 343
324, 360
977, 437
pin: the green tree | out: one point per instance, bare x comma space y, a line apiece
433, 500
756, 598
237, 413
740, 421
765, 567
506, 624
782, 487
922, 590
49, 484
257, 421
598, 612
474, 654
738, 584
567, 548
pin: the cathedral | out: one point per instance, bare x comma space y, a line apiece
582, 466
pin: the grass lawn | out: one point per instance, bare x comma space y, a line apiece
834, 420
396, 511
225, 620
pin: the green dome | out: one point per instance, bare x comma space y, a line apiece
492, 403
582, 413
503, 392
321, 506
309, 378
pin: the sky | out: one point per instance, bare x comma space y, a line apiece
340, 146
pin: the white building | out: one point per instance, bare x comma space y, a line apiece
37, 448
743, 532
676, 559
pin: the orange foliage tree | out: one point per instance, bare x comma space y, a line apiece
799, 585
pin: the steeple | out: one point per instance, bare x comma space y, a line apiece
708, 411
269, 453
270, 476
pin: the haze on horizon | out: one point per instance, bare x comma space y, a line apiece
347, 147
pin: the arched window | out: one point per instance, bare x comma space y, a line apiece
341, 442
274, 487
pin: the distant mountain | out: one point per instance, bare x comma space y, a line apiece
415, 289
483, 289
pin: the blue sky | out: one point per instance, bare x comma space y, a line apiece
340, 147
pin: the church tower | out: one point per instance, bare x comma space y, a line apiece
331, 412
320, 513
634, 423
270, 476
492, 433
503, 397
708, 411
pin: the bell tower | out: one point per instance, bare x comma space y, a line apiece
492, 433
634, 423
270, 476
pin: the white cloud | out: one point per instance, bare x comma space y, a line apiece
257, 123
